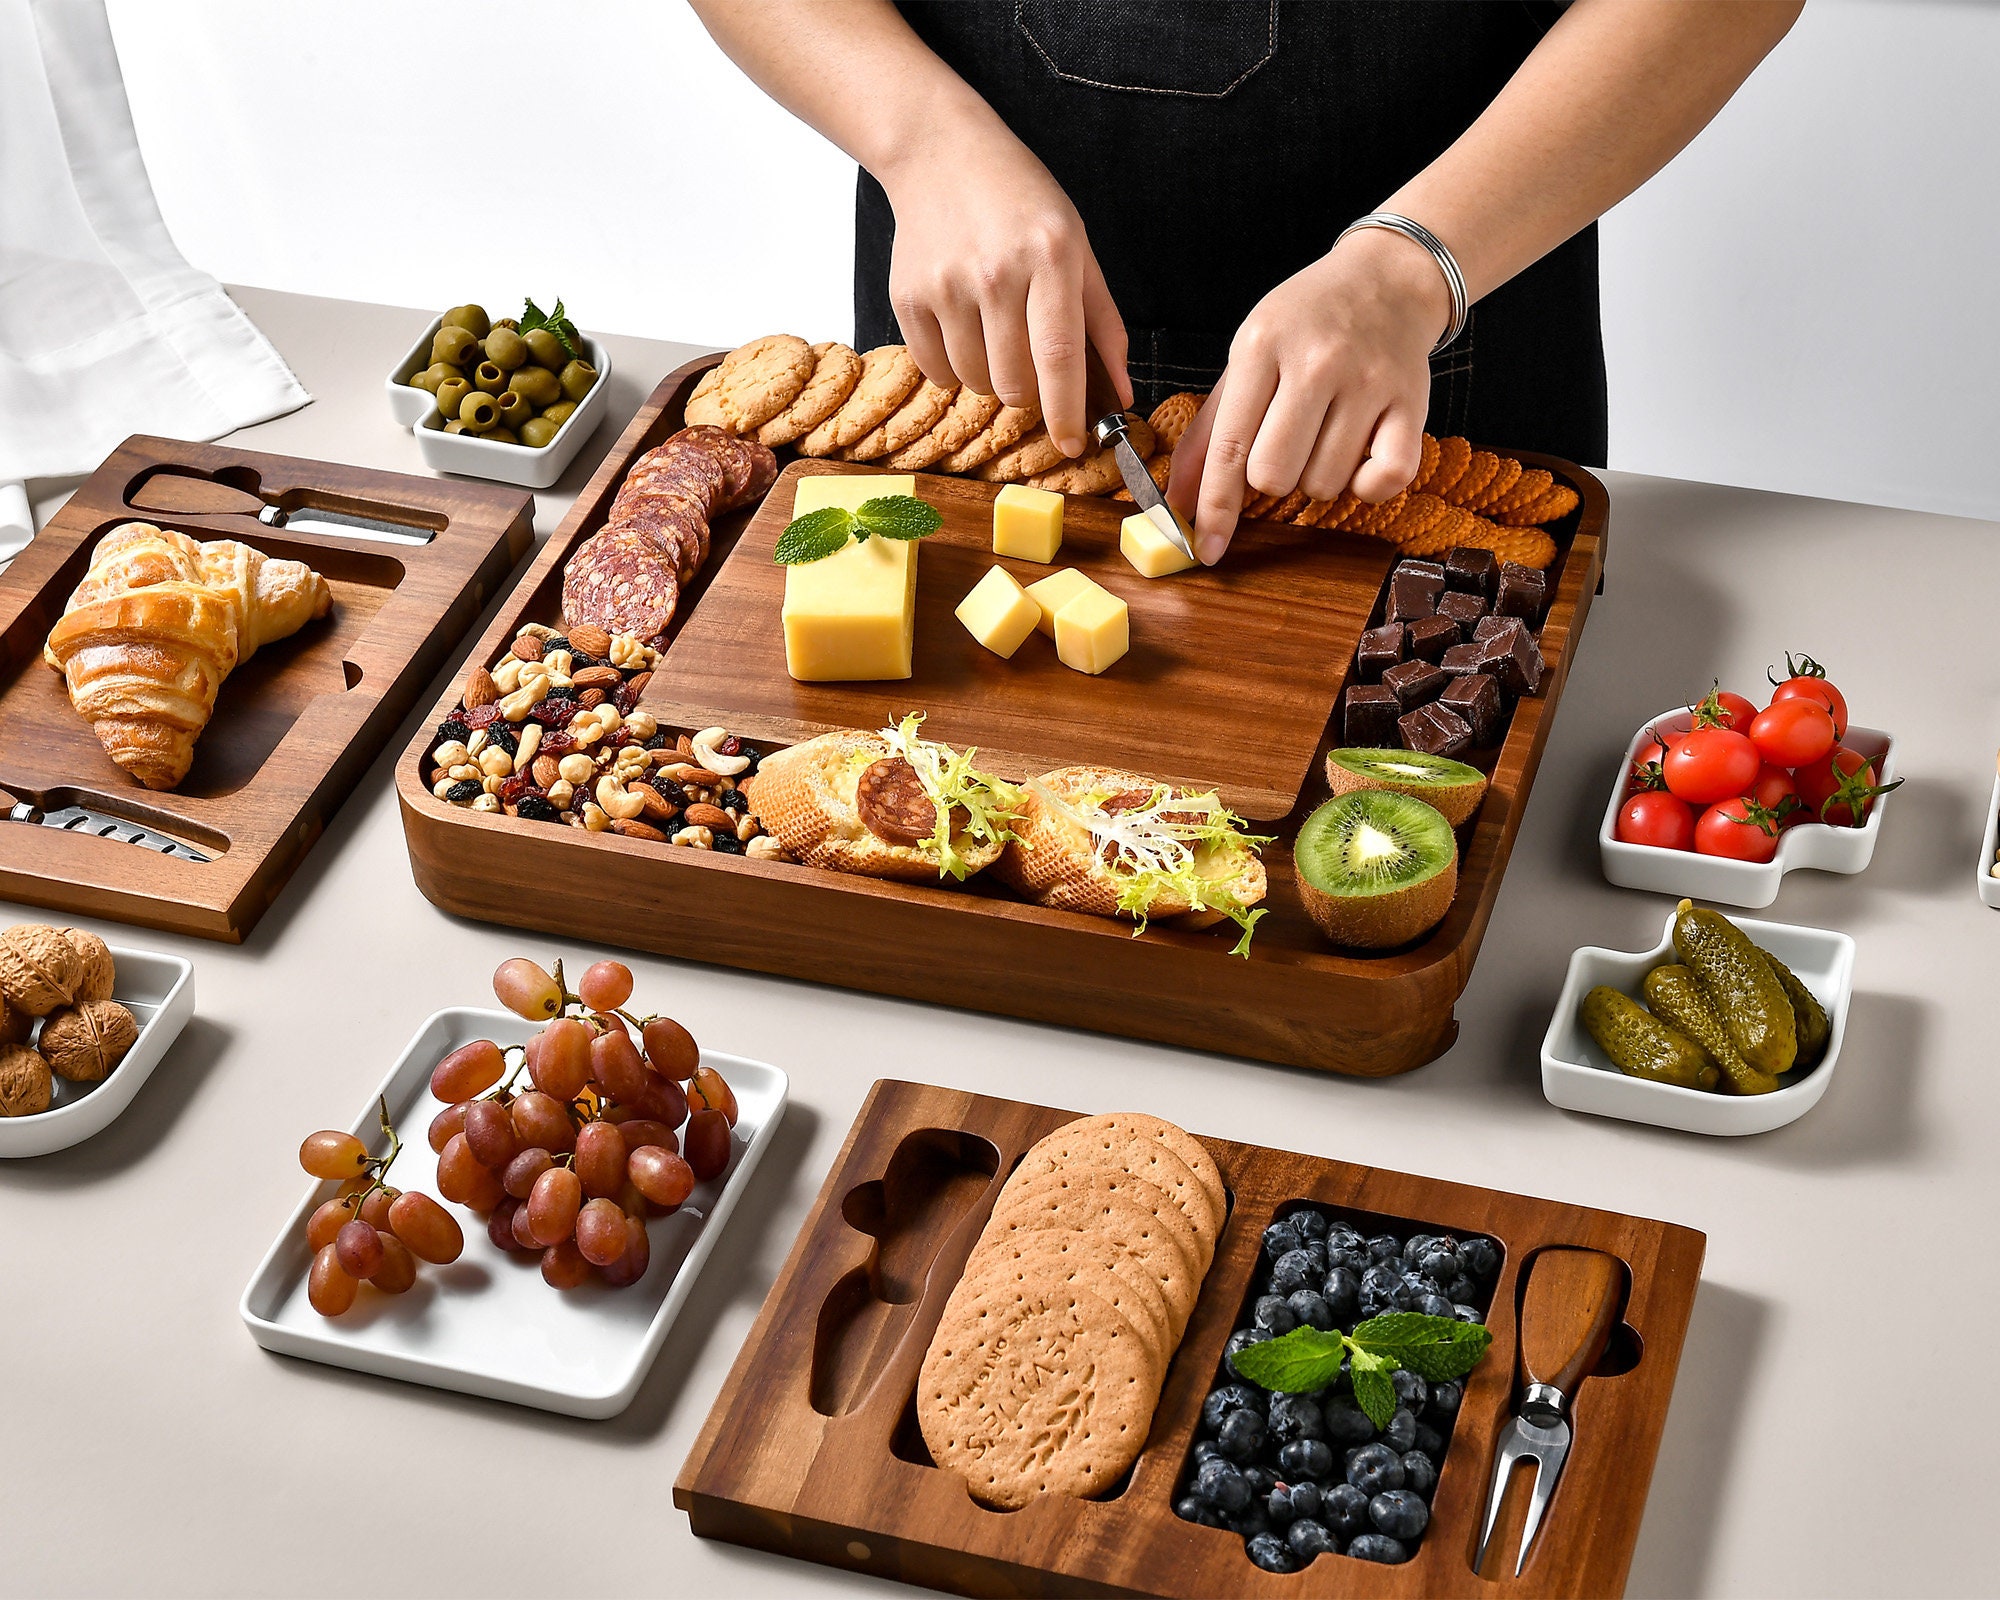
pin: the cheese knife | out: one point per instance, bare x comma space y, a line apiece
1110, 430
75, 819
182, 494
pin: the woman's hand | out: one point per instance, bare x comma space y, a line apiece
994, 282
1327, 386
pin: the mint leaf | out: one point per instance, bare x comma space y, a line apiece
1434, 1348
533, 317
899, 516
813, 537
1296, 1363
1374, 1389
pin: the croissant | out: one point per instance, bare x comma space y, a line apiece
157, 623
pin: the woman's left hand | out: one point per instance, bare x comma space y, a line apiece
1327, 388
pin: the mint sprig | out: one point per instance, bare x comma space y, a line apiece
1307, 1359
557, 323
818, 534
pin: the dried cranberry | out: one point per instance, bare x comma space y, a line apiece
481, 717
622, 738
557, 744
519, 785
731, 746
625, 698
553, 713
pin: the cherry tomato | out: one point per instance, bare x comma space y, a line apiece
1657, 819
1724, 710
1644, 772
1778, 792
1793, 733
1710, 765
1806, 680
1841, 789
1739, 829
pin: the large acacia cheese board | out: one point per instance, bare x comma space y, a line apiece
811, 1448
293, 729
1295, 999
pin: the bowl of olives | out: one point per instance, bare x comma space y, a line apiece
512, 400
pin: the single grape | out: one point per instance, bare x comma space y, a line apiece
359, 1247
489, 1130
519, 1178
600, 1232
605, 986
609, 1022
454, 1172
375, 1209
524, 1234
559, 1058
707, 1145
543, 1123
671, 1048
600, 1159
500, 1226
447, 1122
563, 1266
327, 1221
631, 1266
664, 1101
660, 1175
469, 1070
526, 990
398, 1269
431, 1232
632, 1202
553, 1205
328, 1287
616, 1063
333, 1155
641, 1131
708, 1090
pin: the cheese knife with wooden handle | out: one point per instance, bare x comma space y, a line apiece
186, 494
1108, 426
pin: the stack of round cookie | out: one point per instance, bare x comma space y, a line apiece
1047, 1363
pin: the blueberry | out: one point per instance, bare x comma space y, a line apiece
1481, 1257
1192, 1508
1461, 1289
1379, 1547
1400, 1514
1293, 1416
1204, 1450
1230, 1397
1241, 1435
1274, 1315
1280, 1237
1345, 1236
1262, 1479
1381, 1283
1222, 1486
1305, 1499
1293, 1270
1383, 1247
1342, 1293
1305, 1458
1242, 1339
1278, 1506
1309, 1538
1401, 1434
1418, 1245
1430, 1441
1420, 1473
1271, 1553
1309, 1225
1353, 1258
1249, 1524
1435, 1305
1344, 1509
1468, 1313
1345, 1422
1309, 1307
1440, 1265
1445, 1396
1410, 1389
1374, 1468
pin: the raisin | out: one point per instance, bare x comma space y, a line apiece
465, 791
503, 737
557, 744
732, 800
551, 646
536, 808
452, 731
553, 713
659, 741
625, 698
481, 717
568, 691
669, 791
728, 844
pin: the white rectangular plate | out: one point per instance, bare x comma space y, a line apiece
487, 1324
159, 992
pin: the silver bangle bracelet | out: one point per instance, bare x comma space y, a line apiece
1417, 233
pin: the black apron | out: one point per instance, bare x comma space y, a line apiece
1216, 147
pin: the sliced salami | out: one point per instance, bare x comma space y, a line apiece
751, 467
893, 804
620, 581
672, 522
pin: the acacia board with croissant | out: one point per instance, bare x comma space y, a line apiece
293, 728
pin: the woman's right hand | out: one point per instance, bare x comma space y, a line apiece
994, 282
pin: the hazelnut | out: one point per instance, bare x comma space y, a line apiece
83, 1043
25, 1083
39, 968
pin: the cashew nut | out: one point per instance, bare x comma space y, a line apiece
478, 742
516, 706
706, 753
616, 800
696, 838
507, 676
464, 770
530, 742
594, 818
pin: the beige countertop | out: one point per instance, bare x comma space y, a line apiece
1832, 1419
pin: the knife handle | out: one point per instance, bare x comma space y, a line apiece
1100, 394
180, 494
1568, 1311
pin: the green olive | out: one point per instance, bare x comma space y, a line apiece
577, 378
537, 385
455, 426
538, 431
427, 378
509, 322
559, 412
513, 408
545, 349
451, 394
471, 318
501, 435
506, 349
454, 345
478, 410
488, 377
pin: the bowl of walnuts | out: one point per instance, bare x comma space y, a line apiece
82, 1025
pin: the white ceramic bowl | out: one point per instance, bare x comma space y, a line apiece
1989, 886
1740, 883
1578, 1076
471, 457
159, 992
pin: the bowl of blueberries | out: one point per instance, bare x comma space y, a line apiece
1300, 1476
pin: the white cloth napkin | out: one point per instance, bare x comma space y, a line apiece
104, 330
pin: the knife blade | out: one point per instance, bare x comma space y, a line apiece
75, 819
184, 494
1110, 429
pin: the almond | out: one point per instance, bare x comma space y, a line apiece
636, 830
638, 683
546, 772
480, 689
656, 804
591, 699
597, 678
592, 641
527, 648
713, 818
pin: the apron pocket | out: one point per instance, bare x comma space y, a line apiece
1183, 47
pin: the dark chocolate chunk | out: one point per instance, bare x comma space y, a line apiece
1430, 637
1512, 656
1486, 627
1471, 571
1521, 592
1465, 610
1414, 587
1413, 682
1476, 699
1379, 649
1371, 713
1462, 660
1435, 731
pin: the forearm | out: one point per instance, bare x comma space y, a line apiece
1613, 93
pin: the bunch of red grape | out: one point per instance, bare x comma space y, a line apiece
612, 1131
369, 1232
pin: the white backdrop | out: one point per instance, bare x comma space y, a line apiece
1803, 301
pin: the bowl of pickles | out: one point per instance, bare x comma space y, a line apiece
510, 399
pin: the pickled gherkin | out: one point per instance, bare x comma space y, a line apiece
1678, 1000
1741, 987
1640, 1045
1808, 1015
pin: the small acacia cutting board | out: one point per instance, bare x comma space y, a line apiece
1232, 674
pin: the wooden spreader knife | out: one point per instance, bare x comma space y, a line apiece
185, 494
1108, 427
1568, 1311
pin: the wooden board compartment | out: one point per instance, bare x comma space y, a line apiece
1295, 1000
809, 1450
294, 728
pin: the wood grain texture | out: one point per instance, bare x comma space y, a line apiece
1295, 1000
851, 1485
1568, 1311
293, 729
1261, 643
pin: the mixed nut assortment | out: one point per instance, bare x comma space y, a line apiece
554, 733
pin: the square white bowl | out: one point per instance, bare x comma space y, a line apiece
159, 992
1578, 1076
473, 457
1989, 886
1740, 883
487, 1324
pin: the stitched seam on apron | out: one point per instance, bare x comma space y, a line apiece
1271, 49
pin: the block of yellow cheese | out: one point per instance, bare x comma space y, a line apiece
1149, 550
851, 616
998, 612
1027, 523
1093, 630
1054, 592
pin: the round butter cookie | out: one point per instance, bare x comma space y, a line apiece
889, 376
836, 369
755, 382
1010, 425
905, 425
1036, 452
1044, 1257
963, 421
1117, 1145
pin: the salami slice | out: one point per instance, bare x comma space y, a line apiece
893, 804
672, 522
677, 465
750, 466
620, 581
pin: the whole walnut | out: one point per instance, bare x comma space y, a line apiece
100, 972
85, 1042
25, 1084
39, 968
16, 1027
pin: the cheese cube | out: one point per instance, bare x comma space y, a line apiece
848, 490
1054, 592
998, 612
1027, 523
1093, 630
1141, 542
851, 616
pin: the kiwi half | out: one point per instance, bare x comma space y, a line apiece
1376, 868
1451, 786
